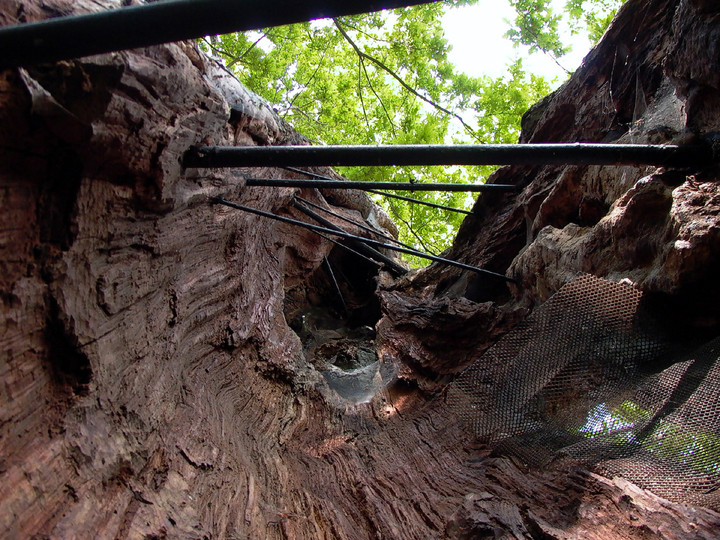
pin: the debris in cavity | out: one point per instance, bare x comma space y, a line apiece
346, 357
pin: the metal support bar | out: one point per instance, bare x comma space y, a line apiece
424, 203
358, 242
163, 22
462, 154
368, 241
328, 268
388, 195
366, 186
347, 248
355, 223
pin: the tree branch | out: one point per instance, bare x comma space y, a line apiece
232, 59
420, 240
301, 112
536, 41
361, 64
307, 83
360, 93
400, 80
372, 88
241, 55
216, 49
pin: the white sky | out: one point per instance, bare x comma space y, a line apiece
479, 48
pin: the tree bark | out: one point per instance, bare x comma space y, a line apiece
169, 365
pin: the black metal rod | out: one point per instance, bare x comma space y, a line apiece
329, 270
424, 203
358, 242
388, 195
366, 186
347, 248
163, 22
462, 154
356, 223
368, 241
308, 173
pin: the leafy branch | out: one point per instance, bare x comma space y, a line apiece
314, 74
239, 57
364, 56
390, 74
233, 58
214, 48
409, 228
533, 16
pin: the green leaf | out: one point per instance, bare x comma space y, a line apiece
385, 78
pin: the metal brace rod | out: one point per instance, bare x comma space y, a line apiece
359, 243
461, 154
421, 202
163, 22
367, 186
328, 268
371, 230
342, 234
388, 195
348, 248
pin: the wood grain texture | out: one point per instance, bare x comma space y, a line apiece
152, 385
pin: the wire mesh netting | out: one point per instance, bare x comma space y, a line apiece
579, 380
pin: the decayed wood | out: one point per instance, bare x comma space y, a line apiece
152, 385
657, 228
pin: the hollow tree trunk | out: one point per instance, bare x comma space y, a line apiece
167, 363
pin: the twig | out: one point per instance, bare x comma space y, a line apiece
241, 55
399, 79
410, 228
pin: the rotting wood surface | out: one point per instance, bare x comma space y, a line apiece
152, 385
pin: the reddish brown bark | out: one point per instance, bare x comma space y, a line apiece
152, 384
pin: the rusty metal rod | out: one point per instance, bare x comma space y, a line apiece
317, 228
462, 154
368, 186
163, 22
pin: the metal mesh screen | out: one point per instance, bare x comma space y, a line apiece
578, 380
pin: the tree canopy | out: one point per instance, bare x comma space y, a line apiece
385, 78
